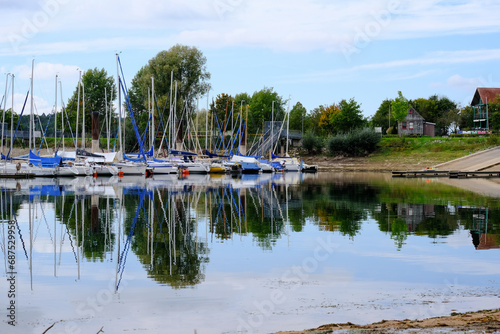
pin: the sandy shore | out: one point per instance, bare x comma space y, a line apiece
487, 321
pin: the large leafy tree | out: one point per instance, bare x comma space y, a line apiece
186, 64
494, 109
349, 118
242, 99
221, 110
381, 117
261, 108
399, 107
327, 118
439, 110
341, 118
297, 116
466, 121
312, 121
95, 83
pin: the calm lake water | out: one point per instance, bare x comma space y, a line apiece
255, 254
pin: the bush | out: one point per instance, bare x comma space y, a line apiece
337, 145
355, 143
312, 144
492, 140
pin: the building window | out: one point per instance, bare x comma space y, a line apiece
403, 125
410, 125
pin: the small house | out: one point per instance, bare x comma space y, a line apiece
414, 124
479, 104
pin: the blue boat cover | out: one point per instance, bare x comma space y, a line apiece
50, 162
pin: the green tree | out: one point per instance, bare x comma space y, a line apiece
340, 118
439, 110
399, 107
349, 118
327, 119
242, 97
297, 116
261, 106
221, 108
311, 122
494, 110
466, 118
95, 83
381, 117
188, 66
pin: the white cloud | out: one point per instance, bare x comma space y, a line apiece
466, 84
430, 60
294, 25
461, 83
44, 70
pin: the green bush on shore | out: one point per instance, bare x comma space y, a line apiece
357, 143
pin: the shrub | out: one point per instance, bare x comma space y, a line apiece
492, 140
355, 143
312, 144
337, 145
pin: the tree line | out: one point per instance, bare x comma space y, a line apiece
180, 77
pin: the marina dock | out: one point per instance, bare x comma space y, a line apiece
444, 173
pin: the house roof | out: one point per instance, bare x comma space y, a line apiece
484, 95
414, 113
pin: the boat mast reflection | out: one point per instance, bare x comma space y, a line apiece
169, 224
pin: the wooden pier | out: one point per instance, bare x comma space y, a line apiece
445, 173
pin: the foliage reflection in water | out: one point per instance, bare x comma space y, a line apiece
170, 226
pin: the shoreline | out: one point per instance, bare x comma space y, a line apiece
484, 321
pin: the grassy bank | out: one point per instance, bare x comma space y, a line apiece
404, 153
433, 150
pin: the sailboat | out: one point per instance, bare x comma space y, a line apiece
127, 167
155, 165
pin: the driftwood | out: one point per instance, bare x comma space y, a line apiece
49, 327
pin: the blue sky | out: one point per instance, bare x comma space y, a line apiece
316, 52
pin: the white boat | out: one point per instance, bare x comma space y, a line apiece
195, 167
130, 168
289, 164
266, 167
249, 165
162, 167
99, 169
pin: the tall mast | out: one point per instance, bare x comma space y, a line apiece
196, 123
106, 113
206, 124
175, 120
32, 128
12, 117
287, 125
110, 115
62, 115
241, 130
78, 107
3, 112
119, 103
272, 132
152, 140
171, 111
55, 120
83, 116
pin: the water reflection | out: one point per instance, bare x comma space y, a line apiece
170, 224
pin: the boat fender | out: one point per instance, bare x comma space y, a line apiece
18, 166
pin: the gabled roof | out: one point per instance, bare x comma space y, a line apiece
414, 113
484, 95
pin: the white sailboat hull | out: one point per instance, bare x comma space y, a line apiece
162, 168
131, 168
